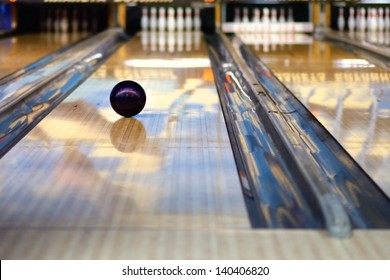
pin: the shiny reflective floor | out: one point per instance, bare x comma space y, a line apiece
348, 95
19, 51
88, 184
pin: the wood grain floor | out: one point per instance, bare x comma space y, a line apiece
20, 51
88, 184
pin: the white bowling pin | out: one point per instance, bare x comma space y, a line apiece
265, 15
387, 18
381, 20
256, 15
180, 19
274, 20
188, 19
374, 24
171, 23
362, 19
256, 19
245, 20
351, 19
64, 21
341, 20
290, 17
161, 19
245, 15
144, 19
153, 19
197, 22
282, 20
282, 16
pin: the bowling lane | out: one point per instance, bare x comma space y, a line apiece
347, 94
19, 51
86, 169
88, 184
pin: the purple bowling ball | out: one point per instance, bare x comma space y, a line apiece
127, 98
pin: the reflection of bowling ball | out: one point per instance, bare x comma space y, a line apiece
127, 98
127, 134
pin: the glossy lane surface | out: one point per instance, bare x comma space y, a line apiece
347, 94
88, 184
19, 51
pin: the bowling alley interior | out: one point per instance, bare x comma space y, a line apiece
191, 130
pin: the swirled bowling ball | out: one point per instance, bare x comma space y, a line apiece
127, 98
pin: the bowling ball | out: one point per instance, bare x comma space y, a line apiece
127, 98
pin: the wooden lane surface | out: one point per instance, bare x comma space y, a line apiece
348, 95
19, 51
88, 184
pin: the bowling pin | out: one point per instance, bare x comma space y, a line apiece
362, 19
265, 16
64, 22
179, 19
144, 19
274, 20
282, 20
161, 19
171, 23
282, 17
373, 22
256, 15
197, 22
188, 19
381, 20
341, 20
266, 19
387, 18
153, 19
351, 20
290, 17
245, 20
245, 15
256, 19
